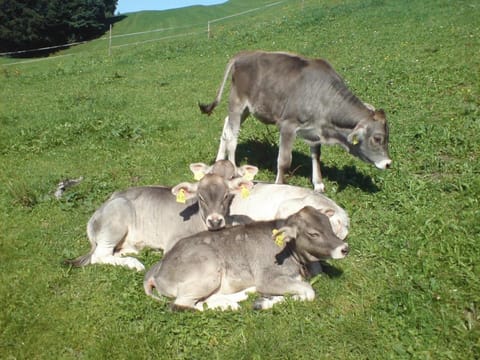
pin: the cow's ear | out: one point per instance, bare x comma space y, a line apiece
238, 184
379, 115
284, 234
199, 170
248, 172
357, 135
185, 191
369, 106
329, 212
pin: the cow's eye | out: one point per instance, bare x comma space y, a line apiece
378, 140
313, 234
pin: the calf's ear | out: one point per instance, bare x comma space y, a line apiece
185, 191
379, 115
329, 212
238, 184
248, 172
199, 170
287, 233
357, 135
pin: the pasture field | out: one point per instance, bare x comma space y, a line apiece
409, 289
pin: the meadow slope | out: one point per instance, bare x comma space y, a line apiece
410, 288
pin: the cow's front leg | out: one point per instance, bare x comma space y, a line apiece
284, 160
317, 180
283, 285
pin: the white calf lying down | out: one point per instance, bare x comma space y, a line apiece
267, 201
218, 268
150, 216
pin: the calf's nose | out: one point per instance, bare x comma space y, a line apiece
340, 252
384, 164
215, 222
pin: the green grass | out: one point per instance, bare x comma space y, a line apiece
410, 289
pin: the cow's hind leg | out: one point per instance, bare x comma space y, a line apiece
228, 141
238, 112
191, 279
316, 173
109, 230
224, 139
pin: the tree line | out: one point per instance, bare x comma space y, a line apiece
32, 24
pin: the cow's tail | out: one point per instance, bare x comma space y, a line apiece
208, 108
87, 258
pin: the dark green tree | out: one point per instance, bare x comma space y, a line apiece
33, 24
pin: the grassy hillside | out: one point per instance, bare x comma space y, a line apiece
410, 287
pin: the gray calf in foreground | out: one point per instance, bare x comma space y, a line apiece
150, 216
219, 268
302, 97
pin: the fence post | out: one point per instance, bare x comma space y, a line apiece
208, 29
110, 41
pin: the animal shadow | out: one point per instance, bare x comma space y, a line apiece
330, 270
264, 154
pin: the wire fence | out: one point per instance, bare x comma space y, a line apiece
110, 36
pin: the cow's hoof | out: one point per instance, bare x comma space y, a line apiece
319, 187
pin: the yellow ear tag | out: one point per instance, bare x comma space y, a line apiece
198, 175
248, 176
181, 196
355, 140
245, 193
279, 239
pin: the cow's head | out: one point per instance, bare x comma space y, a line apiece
214, 194
369, 139
311, 236
224, 168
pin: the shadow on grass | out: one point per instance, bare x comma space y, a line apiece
264, 155
330, 270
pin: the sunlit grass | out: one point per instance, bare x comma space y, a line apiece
410, 287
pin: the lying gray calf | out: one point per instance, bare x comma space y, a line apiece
266, 201
150, 216
219, 268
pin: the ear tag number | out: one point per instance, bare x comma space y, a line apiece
181, 198
279, 238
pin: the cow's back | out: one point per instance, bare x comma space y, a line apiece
245, 251
159, 220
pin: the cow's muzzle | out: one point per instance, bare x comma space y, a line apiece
215, 222
384, 164
340, 251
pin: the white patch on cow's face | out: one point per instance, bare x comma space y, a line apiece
384, 164
340, 251
215, 221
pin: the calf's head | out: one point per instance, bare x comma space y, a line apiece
214, 194
369, 139
311, 237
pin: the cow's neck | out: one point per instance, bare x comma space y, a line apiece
302, 267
